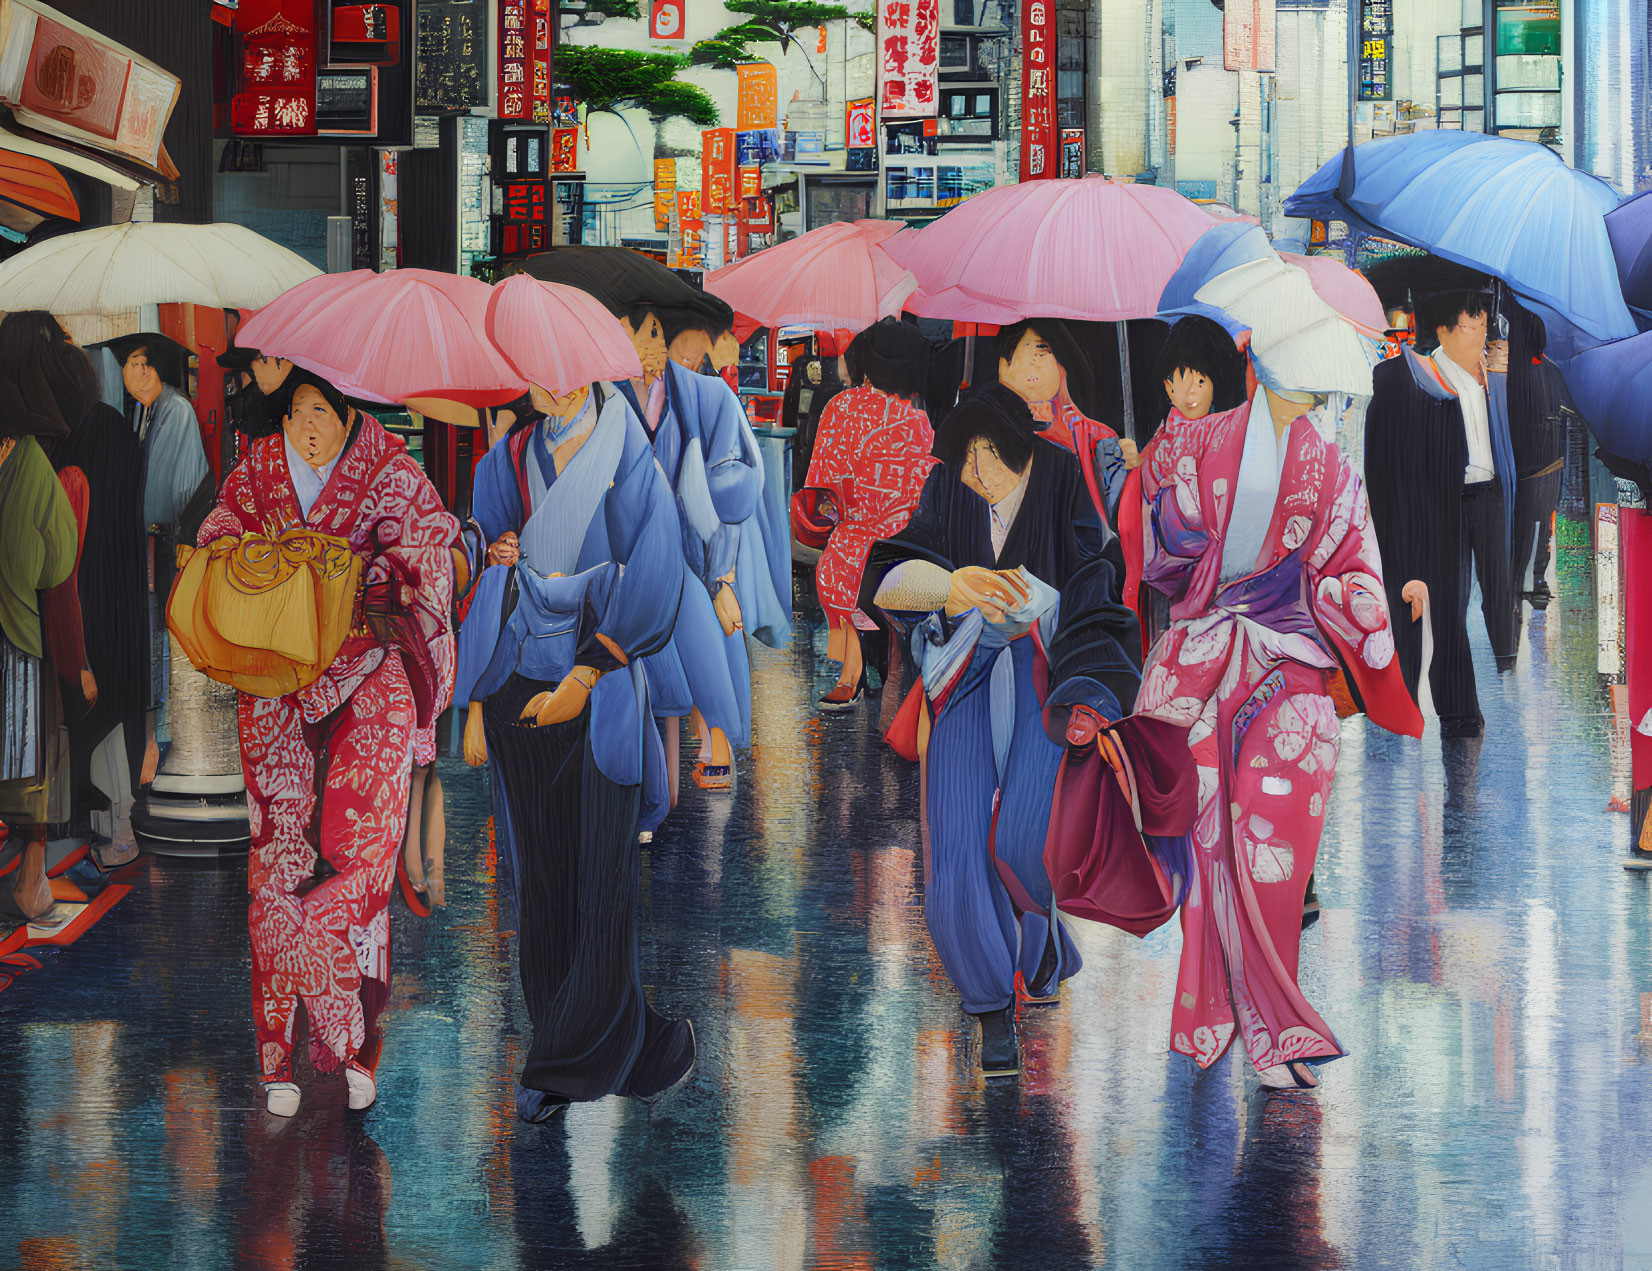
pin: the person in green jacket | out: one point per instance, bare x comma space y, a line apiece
39, 543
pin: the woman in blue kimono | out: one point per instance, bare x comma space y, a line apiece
550, 662
732, 587
1031, 625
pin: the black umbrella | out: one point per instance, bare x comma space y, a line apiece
621, 280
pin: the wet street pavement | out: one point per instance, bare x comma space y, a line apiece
1482, 956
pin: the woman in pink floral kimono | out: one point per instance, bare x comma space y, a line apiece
1258, 531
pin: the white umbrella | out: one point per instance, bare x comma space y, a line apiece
1299, 342
117, 268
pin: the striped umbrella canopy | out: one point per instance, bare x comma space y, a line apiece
1091, 249
406, 335
558, 337
837, 277
1511, 208
116, 268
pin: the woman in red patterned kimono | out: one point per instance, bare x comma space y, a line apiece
871, 458
321, 931
1259, 532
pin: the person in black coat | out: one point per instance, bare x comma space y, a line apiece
1031, 622
1439, 469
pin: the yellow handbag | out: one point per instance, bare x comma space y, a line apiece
266, 615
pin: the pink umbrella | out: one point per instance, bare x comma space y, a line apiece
1090, 249
1345, 290
836, 277
556, 336
407, 335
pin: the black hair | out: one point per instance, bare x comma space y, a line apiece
1201, 345
1446, 309
169, 358
54, 378
298, 377
1064, 347
992, 413
892, 356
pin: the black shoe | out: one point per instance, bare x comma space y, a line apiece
1045, 990
1539, 597
537, 1106
665, 1064
1000, 1057
1457, 727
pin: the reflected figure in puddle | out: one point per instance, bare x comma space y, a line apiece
315, 1195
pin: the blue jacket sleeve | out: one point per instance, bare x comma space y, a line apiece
640, 607
177, 461
734, 475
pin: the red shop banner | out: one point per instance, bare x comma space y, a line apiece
565, 150
1038, 130
278, 69
908, 56
515, 57
717, 171
542, 61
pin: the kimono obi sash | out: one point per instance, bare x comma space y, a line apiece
266, 615
1272, 598
1269, 610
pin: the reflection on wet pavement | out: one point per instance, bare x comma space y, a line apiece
1481, 956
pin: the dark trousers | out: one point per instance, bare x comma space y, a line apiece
1484, 554
575, 837
1535, 501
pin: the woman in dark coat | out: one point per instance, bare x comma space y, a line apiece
56, 379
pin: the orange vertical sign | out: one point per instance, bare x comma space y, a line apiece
757, 86
717, 170
665, 189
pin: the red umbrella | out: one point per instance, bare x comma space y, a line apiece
558, 337
1090, 249
837, 277
407, 335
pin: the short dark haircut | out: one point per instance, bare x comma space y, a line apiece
993, 413
1446, 309
891, 356
1199, 344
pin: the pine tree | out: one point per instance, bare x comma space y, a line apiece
769, 22
610, 79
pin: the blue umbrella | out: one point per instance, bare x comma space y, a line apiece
1511, 208
1222, 247
1629, 226
1611, 386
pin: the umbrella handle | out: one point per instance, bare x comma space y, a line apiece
1124, 377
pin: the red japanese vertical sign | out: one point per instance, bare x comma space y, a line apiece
717, 170
278, 69
542, 61
1038, 131
515, 57
565, 150
908, 56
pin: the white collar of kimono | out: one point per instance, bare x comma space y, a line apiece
1257, 491
307, 482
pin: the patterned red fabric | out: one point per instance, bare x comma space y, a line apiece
1072, 429
327, 943
1249, 682
872, 454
